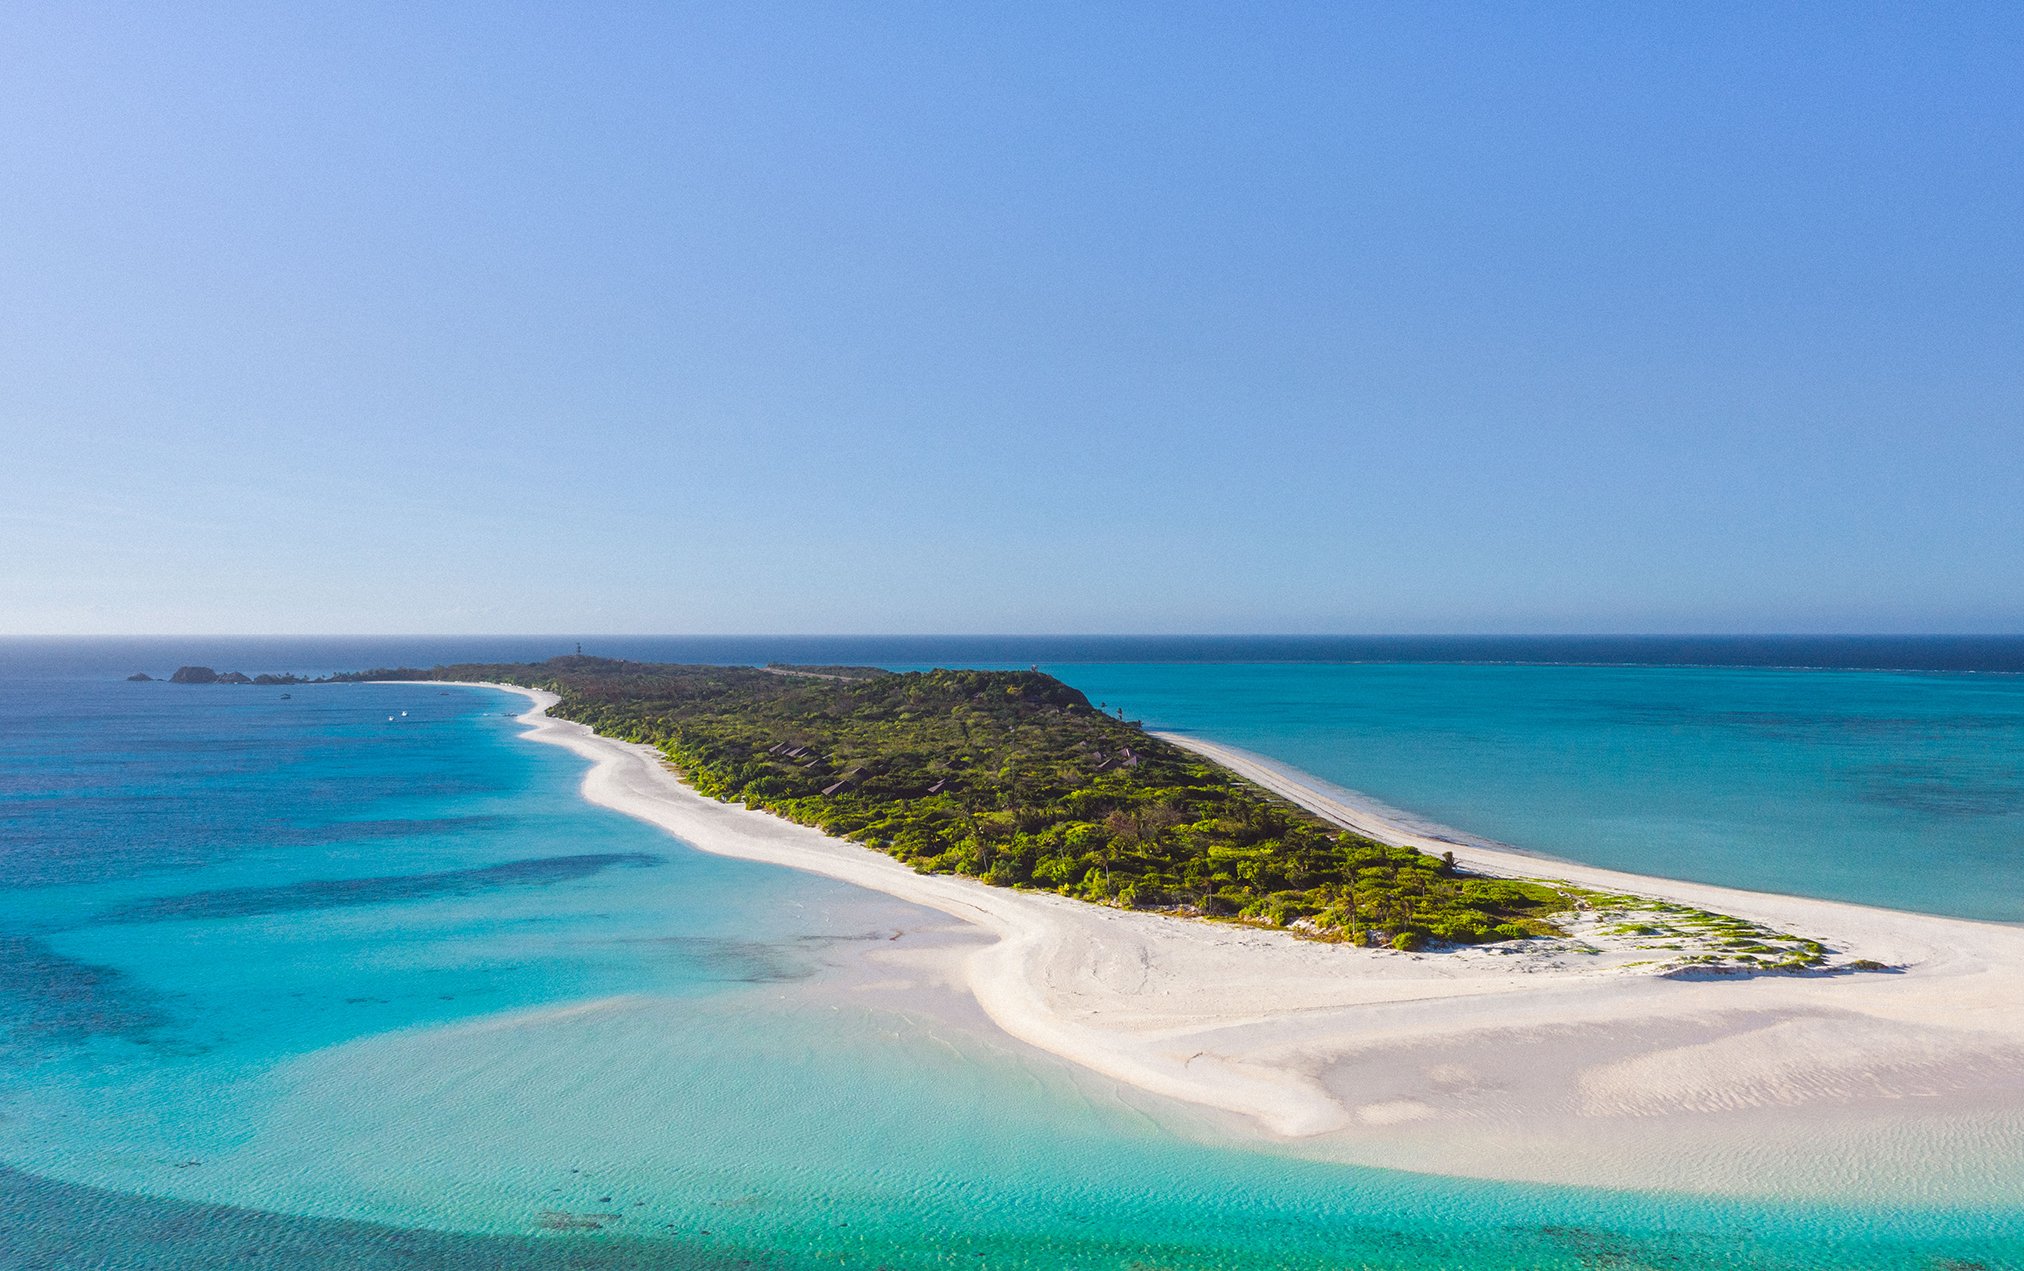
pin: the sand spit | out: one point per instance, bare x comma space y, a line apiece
1539, 1062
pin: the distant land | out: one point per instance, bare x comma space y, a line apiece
206, 675
317, 654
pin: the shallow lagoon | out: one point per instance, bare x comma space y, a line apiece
288, 978
1888, 788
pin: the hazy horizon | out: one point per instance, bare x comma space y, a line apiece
118, 657
1030, 634
502, 634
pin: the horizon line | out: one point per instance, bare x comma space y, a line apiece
1016, 635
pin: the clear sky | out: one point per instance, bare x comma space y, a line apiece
739, 317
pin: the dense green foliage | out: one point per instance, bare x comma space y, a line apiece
1014, 778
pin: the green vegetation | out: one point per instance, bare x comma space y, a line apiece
1014, 778
1703, 940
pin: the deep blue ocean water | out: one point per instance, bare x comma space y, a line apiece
287, 982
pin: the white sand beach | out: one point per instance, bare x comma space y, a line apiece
1537, 1061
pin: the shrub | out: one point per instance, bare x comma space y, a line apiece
1029, 783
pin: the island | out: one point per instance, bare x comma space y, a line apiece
1013, 778
1205, 925
207, 675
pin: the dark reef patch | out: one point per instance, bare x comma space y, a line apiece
393, 828
46, 997
54, 1226
1939, 791
339, 893
736, 961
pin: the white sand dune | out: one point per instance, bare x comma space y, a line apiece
1548, 1065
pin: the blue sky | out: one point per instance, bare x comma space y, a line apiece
1002, 318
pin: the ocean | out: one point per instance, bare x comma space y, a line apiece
348, 975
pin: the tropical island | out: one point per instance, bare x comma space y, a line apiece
1016, 779
1204, 925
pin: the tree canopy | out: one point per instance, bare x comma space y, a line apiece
1014, 778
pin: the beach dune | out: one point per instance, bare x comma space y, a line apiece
1531, 1061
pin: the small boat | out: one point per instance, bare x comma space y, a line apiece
404, 714
286, 696
390, 719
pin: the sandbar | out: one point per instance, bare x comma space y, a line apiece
1532, 1060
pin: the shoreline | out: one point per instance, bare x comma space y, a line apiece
1366, 816
1553, 1066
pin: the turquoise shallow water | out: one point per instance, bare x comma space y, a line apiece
1884, 788
285, 982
